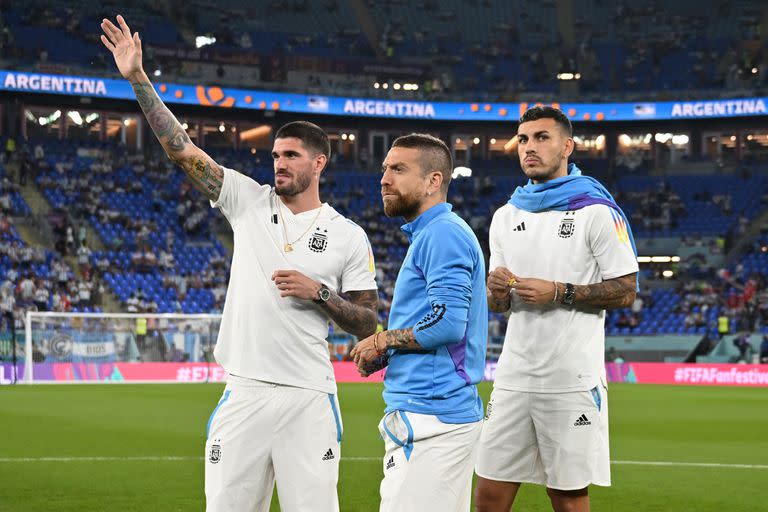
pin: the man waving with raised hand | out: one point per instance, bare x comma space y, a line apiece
296, 263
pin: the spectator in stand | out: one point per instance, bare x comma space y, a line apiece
70, 240
83, 257
26, 289
6, 224
166, 261
84, 294
723, 325
10, 149
764, 349
742, 342
41, 296
5, 202
7, 305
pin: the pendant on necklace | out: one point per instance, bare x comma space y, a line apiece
288, 247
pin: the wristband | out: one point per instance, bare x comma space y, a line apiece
375, 345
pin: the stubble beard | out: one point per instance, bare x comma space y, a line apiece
546, 174
299, 184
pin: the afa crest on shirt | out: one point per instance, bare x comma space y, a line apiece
567, 225
566, 228
215, 455
318, 242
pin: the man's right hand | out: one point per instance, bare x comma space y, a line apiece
500, 282
125, 48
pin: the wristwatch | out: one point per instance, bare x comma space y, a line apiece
570, 294
323, 294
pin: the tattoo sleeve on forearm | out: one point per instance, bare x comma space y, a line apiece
205, 174
402, 339
610, 294
357, 314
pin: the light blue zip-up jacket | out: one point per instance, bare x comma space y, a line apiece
440, 292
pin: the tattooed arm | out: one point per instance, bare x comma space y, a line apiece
356, 313
610, 294
401, 339
206, 175
370, 354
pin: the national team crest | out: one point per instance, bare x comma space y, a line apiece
318, 241
566, 228
215, 456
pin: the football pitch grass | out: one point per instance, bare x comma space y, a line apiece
139, 448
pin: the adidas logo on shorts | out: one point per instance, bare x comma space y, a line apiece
328, 455
391, 462
582, 421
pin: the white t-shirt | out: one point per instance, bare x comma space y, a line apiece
283, 339
556, 348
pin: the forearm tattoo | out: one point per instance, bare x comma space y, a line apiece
357, 314
610, 294
205, 174
178, 140
402, 339
201, 172
146, 95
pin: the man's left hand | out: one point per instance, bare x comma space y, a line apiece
366, 357
293, 283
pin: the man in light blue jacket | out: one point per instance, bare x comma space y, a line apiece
434, 349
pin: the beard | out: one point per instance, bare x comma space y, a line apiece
402, 206
299, 184
541, 173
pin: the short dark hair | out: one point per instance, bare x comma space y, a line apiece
543, 112
435, 155
312, 136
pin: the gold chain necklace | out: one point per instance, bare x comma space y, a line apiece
289, 245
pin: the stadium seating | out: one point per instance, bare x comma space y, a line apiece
479, 50
124, 187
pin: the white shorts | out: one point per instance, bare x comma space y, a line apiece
260, 433
555, 439
427, 463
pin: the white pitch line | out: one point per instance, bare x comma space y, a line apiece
688, 464
96, 459
364, 459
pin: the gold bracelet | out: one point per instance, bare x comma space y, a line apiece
554, 299
375, 346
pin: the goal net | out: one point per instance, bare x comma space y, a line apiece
119, 347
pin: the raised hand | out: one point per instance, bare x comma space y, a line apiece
125, 48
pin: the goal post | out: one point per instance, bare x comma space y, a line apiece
9, 361
120, 347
